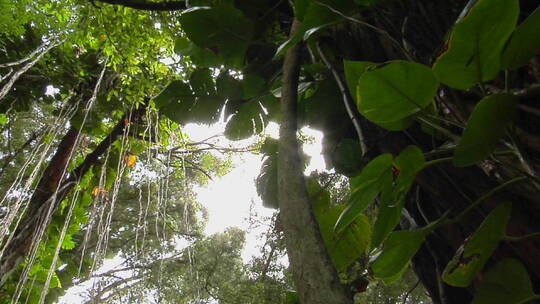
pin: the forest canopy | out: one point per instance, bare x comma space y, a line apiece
429, 111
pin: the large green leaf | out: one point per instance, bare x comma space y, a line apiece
399, 249
409, 162
201, 57
471, 257
395, 91
175, 91
365, 188
180, 104
202, 82
228, 87
505, 283
353, 71
485, 127
346, 246
524, 43
476, 43
266, 182
176, 101
250, 119
206, 109
224, 28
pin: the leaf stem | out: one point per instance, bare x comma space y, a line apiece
522, 237
438, 128
348, 101
486, 196
438, 160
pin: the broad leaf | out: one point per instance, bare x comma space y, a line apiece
399, 249
201, 57
506, 283
365, 188
524, 43
484, 128
228, 87
206, 110
247, 121
353, 71
253, 85
176, 101
346, 246
224, 28
395, 91
477, 249
202, 82
476, 43
409, 162
266, 182
175, 91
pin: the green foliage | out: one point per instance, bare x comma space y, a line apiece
365, 187
398, 250
524, 43
505, 283
406, 165
476, 44
353, 72
485, 127
471, 257
389, 94
267, 182
224, 28
243, 36
348, 245
315, 16
400, 247
246, 122
201, 57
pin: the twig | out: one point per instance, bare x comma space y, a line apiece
347, 100
7, 87
410, 291
521, 238
486, 196
370, 26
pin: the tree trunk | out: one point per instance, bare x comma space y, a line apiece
314, 274
25, 235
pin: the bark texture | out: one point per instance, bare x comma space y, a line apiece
314, 274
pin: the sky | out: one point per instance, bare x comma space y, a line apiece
229, 199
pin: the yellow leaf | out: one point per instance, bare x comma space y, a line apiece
130, 160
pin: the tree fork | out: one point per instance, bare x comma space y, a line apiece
315, 276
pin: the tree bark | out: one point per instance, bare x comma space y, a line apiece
314, 274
